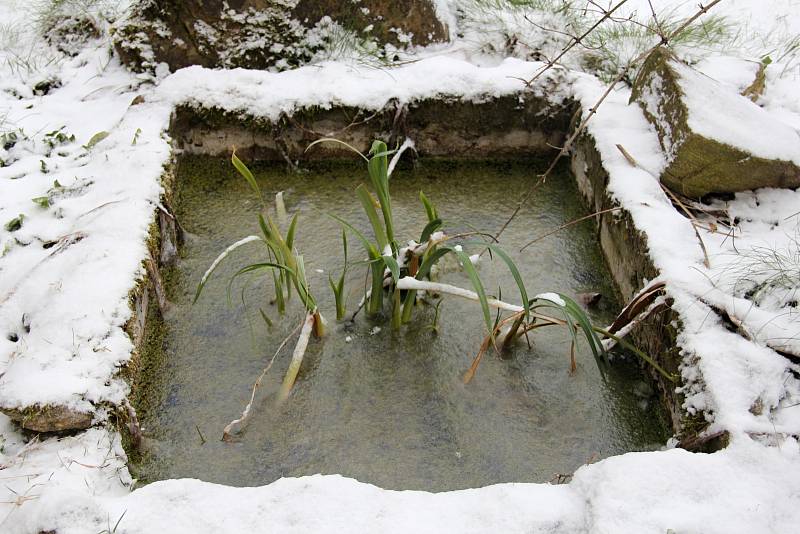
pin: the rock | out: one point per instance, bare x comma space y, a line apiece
260, 34
49, 418
715, 140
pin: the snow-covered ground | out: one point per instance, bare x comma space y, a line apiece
67, 269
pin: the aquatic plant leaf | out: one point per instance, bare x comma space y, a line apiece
264, 229
394, 268
515, 273
338, 288
378, 167
15, 224
246, 174
368, 203
430, 209
577, 313
669, 376
218, 261
372, 251
429, 260
265, 317
290, 233
332, 140
475, 280
429, 229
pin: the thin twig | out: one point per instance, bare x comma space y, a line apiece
567, 225
593, 110
575, 41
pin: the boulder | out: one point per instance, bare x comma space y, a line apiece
715, 140
275, 34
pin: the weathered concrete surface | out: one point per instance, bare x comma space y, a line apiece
511, 126
700, 164
626, 251
261, 34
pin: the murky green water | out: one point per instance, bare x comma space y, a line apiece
387, 408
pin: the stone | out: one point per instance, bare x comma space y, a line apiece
276, 34
49, 418
715, 140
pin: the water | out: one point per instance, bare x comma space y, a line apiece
388, 408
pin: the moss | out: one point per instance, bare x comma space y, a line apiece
704, 166
699, 165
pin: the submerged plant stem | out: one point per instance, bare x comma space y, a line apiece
297, 356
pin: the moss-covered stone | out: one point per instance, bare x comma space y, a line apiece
49, 418
261, 34
699, 164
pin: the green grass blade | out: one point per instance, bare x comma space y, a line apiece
376, 292
466, 264
397, 310
373, 252
245, 172
429, 260
368, 203
249, 269
264, 316
378, 167
280, 300
408, 305
669, 376
338, 288
429, 229
264, 229
585, 323
332, 140
394, 268
516, 274
430, 209
290, 233
216, 263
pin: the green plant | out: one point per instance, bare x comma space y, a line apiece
56, 138
400, 273
611, 47
286, 268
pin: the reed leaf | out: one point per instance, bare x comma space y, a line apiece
515, 273
290, 233
252, 268
218, 261
393, 267
372, 251
429, 229
430, 209
332, 140
368, 203
472, 274
245, 172
338, 287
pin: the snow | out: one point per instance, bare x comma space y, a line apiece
717, 113
552, 297
67, 304
269, 95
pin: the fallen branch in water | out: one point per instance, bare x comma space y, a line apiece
226, 433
